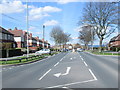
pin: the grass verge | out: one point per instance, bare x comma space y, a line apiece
104, 53
24, 60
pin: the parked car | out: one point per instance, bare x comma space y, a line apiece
80, 50
43, 51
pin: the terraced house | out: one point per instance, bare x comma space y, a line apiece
115, 43
20, 37
6, 39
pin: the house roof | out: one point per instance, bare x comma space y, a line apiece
5, 31
116, 38
37, 38
16, 32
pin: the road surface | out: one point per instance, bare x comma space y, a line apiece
65, 70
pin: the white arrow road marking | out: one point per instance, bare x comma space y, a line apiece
59, 74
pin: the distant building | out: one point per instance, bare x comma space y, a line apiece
115, 42
6, 39
20, 37
34, 43
39, 42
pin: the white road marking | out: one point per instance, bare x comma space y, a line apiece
0, 71
56, 64
44, 74
82, 59
61, 59
71, 83
4, 68
48, 71
10, 68
85, 63
13, 66
67, 72
80, 56
71, 58
64, 87
92, 74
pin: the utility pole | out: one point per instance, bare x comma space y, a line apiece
27, 22
43, 36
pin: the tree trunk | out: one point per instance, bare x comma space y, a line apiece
100, 49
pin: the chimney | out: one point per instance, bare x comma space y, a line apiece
9, 29
37, 38
15, 28
30, 34
42, 39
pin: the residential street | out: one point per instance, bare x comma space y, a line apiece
64, 70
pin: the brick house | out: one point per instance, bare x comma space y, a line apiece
6, 39
39, 42
45, 43
20, 37
32, 42
115, 42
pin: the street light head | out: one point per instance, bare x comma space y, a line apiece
43, 26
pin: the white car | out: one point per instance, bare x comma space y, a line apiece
43, 51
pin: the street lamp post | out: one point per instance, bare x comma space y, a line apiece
43, 36
27, 31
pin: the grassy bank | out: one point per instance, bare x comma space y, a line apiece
24, 59
103, 53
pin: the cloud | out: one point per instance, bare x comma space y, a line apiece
41, 12
51, 23
66, 1
11, 7
74, 37
38, 33
32, 28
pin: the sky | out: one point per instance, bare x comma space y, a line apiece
64, 14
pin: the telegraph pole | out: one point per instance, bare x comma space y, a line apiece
43, 36
27, 22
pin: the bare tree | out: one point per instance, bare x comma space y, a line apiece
103, 16
86, 35
58, 36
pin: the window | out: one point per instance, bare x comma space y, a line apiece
3, 36
6, 36
9, 38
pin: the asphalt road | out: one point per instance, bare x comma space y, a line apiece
65, 70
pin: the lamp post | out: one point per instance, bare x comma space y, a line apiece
27, 31
43, 36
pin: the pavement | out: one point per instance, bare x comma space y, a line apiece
64, 70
